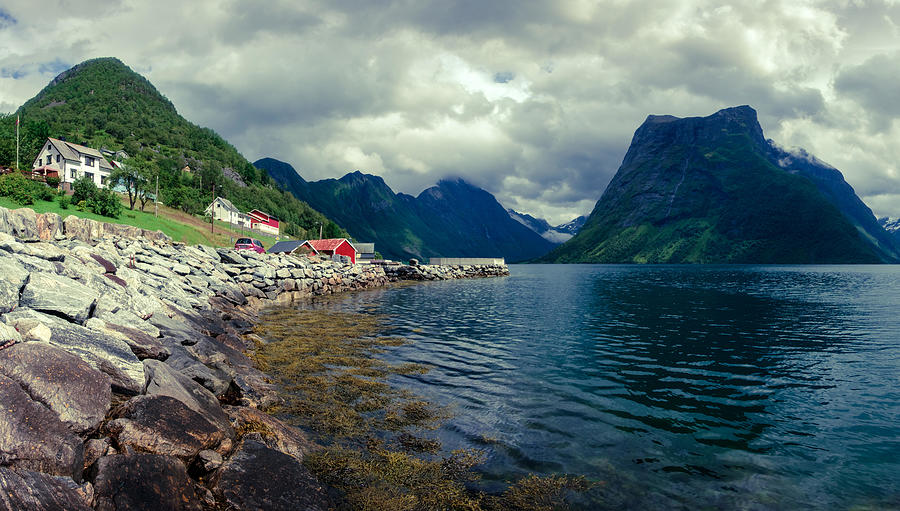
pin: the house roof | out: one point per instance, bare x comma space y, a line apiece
285, 247
329, 244
256, 212
365, 248
72, 151
225, 202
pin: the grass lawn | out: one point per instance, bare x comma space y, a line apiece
175, 223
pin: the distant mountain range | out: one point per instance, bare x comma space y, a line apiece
892, 226
714, 190
554, 234
452, 219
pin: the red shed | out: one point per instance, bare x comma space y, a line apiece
263, 222
329, 247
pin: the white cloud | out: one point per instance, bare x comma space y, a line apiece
535, 101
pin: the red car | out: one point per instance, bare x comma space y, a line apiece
249, 244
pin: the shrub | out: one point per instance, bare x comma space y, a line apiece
53, 182
83, 189
21, 189
64, 201
106, 203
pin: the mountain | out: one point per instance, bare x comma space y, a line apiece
556, 235
714, 190
102, 103
892, 227
451, 219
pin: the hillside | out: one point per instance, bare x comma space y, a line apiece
102, 103
714, 190
450, 219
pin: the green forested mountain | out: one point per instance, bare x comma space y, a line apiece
102, 103
451, 219
714, 190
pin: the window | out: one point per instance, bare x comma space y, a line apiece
57, 158
48, 147
89, 175
103, 180
89, 161
73, 174
39, 162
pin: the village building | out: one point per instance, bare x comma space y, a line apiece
264, 222
334, 247
71, 161
294, 247
366, 252
223, 210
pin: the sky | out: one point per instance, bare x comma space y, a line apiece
535, 101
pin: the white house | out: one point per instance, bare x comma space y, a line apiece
224, 210
72, 161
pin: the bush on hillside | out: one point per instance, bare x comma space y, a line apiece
23, 190
106, 203
83, 189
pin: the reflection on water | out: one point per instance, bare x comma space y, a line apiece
761, 387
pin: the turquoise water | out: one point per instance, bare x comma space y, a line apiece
753, 387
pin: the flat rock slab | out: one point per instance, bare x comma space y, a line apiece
12, 278
76, 392
163, 425
142, 345
142, 482
32, 437
165, 381
34, 491
58, 294
272, 432
257, 477
109, 355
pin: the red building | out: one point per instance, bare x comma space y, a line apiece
330, 247
263, 222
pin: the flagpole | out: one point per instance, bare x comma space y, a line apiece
17, 142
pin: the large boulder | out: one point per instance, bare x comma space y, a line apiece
33, 491
142, 482
58, 294
22, 223
33, 438
76, 392
49, 226
165, 381
257, 477
142, 344
109, 355
272, 432
83, 229
12, 278
161, 424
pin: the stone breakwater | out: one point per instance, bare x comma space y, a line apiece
124, 378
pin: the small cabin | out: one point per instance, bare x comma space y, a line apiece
293, 247
366, 252
334, 246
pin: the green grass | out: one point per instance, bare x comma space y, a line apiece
176, 224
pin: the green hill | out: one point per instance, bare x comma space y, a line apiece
714, 190
102, 103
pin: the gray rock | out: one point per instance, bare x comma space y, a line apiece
32, 437
161, 424
208, 460
163, 380
142, 482
230, 256
94, 449
33, 491
12, 278
55, 293
142, 345
272, 432
181, 269
22, 223
257, 477
107, 354
76, 392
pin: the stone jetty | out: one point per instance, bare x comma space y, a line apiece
124, 378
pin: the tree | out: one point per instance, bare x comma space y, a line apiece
137, 176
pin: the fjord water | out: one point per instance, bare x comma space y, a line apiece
670, 386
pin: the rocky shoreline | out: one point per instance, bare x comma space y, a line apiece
124, 374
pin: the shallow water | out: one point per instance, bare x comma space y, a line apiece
756, 387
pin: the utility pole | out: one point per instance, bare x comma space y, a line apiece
212, 212
320, 230
17, 142
156, 198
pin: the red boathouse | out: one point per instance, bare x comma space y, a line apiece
263, 222
330, 247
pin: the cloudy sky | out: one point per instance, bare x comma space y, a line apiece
535, 101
